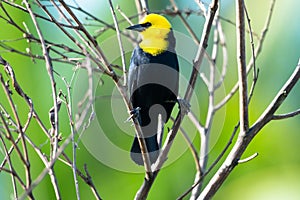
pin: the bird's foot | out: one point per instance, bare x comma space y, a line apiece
133, 113
184, 106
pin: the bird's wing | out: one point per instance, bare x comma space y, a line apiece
138, 58
132, 72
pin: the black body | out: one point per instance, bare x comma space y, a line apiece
153, 87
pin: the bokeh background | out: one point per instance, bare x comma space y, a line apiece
274, 174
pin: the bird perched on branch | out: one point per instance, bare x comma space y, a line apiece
153, 81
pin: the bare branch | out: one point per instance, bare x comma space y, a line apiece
86, 178
255, 70
24, 157
120, 43
142, 8
287, 115
222, 42
191, 147
201, 6
248, 159
73, 133
212, 165
245, 138
47, 169
185, 23
257, 53
45, 161
49, 68
209, 116
124, 16
91, 184
9, 163
202, 46
196, 122
241, 60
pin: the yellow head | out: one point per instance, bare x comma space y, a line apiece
154, 29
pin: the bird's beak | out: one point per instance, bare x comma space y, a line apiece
137, 27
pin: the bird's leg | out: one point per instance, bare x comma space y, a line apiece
184, 106
134, 113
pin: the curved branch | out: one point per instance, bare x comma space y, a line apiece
286, 115
245, 138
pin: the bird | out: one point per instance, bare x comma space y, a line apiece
153, 81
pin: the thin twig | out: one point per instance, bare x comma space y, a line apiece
45, 161
32, 113
124, 16
120, 43
242, 71
196, 122
142, 8
91, 184
47, 169
222, 42
13, 173
185, 23
287, 115
191, 146
255, 70
213, 164
257, 53
24, 157
49, 68
73, 133
73, 39
248, 158
201, 49
86, 178
201, 6
14, 186
97, 50
209, 116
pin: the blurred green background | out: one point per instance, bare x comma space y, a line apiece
274, 174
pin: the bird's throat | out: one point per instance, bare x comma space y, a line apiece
154, 46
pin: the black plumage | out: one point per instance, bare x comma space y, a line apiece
153, 87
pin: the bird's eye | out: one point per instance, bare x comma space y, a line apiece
146, 25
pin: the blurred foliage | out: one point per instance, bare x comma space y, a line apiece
274, 174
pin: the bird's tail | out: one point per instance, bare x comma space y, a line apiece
152, 149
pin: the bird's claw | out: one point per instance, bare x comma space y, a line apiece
133, 113
184, 106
